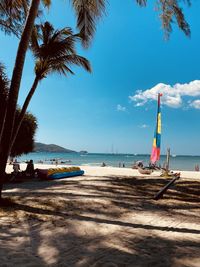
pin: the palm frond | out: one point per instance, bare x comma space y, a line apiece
75, 59
54, 51
47, 31
141, 2
88, 12
170, 10
60, 68
46, 3
12, 15
4, 82
46, 42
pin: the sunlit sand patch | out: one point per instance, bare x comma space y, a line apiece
191, 261
48, 253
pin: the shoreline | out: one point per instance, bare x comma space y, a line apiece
107, 170
186, 163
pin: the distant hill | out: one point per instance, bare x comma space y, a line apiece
40, 147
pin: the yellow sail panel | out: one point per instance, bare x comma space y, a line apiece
159, 123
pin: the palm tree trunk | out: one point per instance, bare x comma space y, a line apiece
14, 88
18, 122
3, 105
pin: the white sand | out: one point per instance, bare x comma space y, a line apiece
106, 218
101, 171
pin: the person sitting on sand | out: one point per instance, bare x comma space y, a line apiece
103, 164
16, 171
16, 167
30, 169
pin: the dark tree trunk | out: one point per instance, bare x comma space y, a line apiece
19, 121
14, 88
3, 106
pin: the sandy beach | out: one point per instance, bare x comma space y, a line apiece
106, 218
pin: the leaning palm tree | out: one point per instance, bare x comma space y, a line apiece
54, 52
8, 126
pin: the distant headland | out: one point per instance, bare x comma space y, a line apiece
40, 147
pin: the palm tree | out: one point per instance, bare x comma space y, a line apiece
54, 52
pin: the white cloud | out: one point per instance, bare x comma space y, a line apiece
120, 108
172, 95
195, 104
144, 126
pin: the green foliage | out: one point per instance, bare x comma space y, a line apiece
25, 139
88, 12
170, 11
24, 142
13, 15
4, 85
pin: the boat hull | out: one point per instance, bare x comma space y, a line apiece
61, 175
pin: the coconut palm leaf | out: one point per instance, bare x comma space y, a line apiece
55, 51
88, 12
74, 59
12, 15
170, 9
53, 43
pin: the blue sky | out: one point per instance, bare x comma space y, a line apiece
103, 111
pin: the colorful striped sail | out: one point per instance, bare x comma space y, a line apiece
155, 154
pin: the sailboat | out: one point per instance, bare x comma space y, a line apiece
155, 154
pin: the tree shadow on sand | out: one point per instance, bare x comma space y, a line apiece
67, 247
112, 196
94, 222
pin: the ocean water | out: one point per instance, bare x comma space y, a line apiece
96, 159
